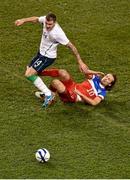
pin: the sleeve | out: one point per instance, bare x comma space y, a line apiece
96, 77
102, 94
41, 19
62, 38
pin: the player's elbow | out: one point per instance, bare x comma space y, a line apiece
94, 103
35, 20
70, 45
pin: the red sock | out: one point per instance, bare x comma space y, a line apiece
50, 72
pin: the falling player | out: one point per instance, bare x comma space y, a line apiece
91, 91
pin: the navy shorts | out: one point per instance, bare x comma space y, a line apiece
40, 62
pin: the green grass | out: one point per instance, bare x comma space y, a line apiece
84, 141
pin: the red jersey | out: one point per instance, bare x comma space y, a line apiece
90, 88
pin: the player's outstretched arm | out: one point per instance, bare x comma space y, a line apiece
90, 73
92, 102
82, 66
33, 19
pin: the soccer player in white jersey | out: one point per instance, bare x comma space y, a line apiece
52, 36
92, 90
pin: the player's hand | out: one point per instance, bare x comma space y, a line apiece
83, 68
19, 22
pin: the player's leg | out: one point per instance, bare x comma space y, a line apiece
64, 75
38, 64
31, 75
57, 85
63, 90
53, 72
60, 73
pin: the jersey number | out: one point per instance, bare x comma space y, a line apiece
37, 63
90, 92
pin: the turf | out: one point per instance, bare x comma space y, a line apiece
84, 141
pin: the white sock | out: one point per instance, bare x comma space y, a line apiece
41, 86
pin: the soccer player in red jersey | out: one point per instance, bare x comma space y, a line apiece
91, 91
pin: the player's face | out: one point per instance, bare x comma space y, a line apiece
107, 79
49, 25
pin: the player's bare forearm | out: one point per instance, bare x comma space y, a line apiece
82, 66
75, 52
19, 22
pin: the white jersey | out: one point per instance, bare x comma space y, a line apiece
51, 39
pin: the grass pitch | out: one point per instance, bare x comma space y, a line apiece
84, 141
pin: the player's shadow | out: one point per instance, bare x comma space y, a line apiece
78, 108
114, 110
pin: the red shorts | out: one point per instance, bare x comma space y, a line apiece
69, 95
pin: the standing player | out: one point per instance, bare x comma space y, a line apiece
52, 36
91, 91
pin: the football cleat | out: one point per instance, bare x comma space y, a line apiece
48, 100
40, 95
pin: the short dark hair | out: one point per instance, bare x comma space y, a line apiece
109, 87
51, 17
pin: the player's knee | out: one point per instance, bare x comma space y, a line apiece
58, 85
64, 74
28, 73
55, 83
